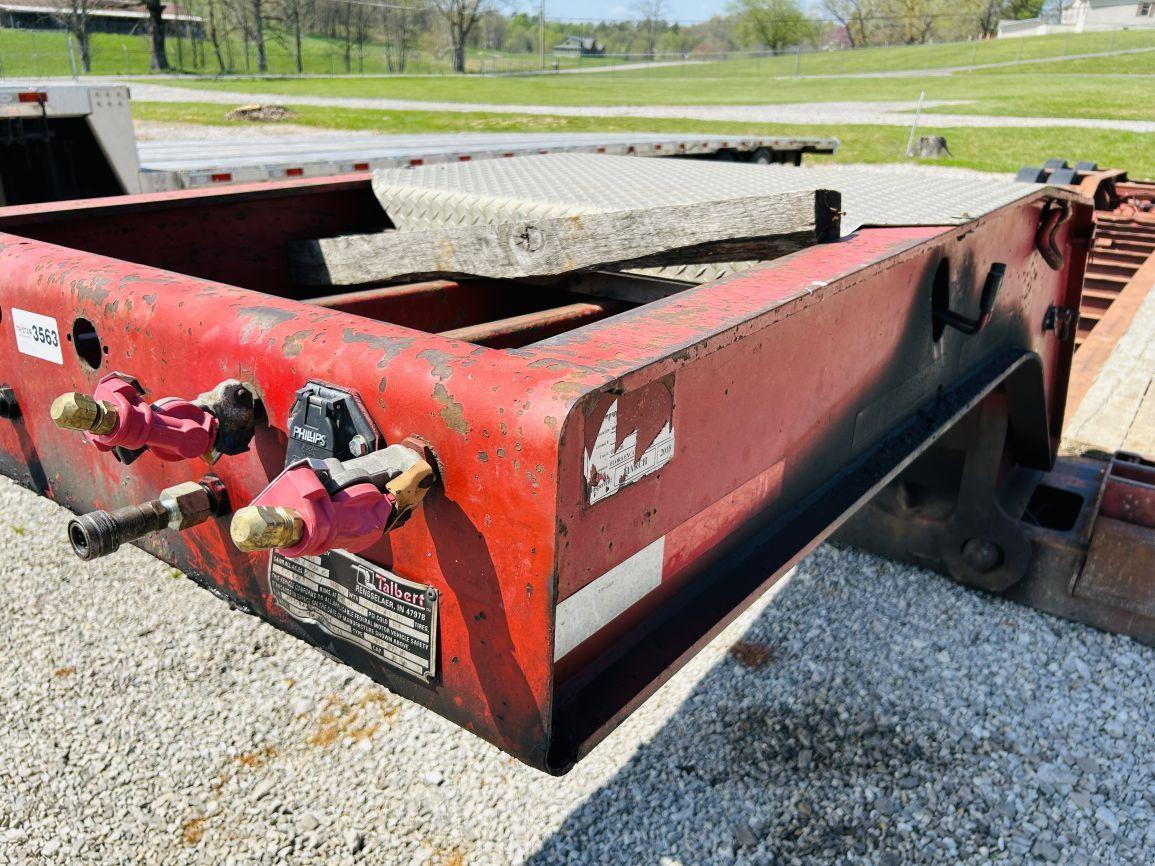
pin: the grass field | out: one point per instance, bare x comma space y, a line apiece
1031, 91
1003, 149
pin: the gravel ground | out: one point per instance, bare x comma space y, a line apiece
868, 713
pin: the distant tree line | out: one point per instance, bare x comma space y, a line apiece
237, 34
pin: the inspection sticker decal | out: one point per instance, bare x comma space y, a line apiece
37, 335
363, 604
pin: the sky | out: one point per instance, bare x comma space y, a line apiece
677, 10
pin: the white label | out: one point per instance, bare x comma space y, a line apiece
610, 468
37, 335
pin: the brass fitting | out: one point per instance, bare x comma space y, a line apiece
266, 527
76, 411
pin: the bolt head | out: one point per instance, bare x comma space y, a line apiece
358, 446
982, 554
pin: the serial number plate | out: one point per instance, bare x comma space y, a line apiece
363, 604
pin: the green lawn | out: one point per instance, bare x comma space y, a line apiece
1003, 149
1039, 92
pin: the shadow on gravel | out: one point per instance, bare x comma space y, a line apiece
880, 714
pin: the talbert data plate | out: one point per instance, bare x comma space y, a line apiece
363, 604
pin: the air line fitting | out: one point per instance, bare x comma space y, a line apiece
117, 416
180, 507
75, 411
314, 506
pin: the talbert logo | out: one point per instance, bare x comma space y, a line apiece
383, 584
307, 434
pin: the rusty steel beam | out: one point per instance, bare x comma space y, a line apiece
531, 327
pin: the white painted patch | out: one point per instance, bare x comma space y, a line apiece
37, 335
613, 467
604, 599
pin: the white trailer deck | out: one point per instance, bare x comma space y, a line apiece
191, 164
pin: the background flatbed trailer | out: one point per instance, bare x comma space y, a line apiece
191, 164
60, 142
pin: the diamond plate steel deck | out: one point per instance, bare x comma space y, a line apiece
568, 184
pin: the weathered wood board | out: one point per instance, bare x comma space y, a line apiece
759, 227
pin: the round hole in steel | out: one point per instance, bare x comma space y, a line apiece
939, 299
86, 342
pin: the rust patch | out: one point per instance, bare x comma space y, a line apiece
439, 362
192, 831
67, 671
752, 654
354, 720
451, 412
93, 291
295, 342
389, 347
261, 319
257, 758
568, 389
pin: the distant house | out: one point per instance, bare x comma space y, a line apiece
1083, 16
584, 46
104, 16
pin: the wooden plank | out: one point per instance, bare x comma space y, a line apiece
759, 227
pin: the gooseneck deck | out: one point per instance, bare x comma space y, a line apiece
523, 504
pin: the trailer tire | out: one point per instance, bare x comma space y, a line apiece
762, 156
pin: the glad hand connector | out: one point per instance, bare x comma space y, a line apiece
314, 506
178, 508
117, 416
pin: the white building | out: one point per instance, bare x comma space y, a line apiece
1085, 16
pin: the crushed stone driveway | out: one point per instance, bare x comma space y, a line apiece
851, 113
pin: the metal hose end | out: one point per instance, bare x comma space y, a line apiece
93, 535
266, 527
75, 411
100, 533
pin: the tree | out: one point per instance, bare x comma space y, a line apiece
856, 16
651, 14
910, 21
774, 24
460, 16
159, 60
218, 35
255, 26
400, 30
295, 13
73, 16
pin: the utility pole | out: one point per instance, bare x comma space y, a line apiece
541, 33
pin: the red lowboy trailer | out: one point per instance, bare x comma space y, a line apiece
609, 485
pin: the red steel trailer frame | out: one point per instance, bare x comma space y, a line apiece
764, 409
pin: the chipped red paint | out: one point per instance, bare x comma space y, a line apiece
773, 379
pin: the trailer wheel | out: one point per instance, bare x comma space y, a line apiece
762, 156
